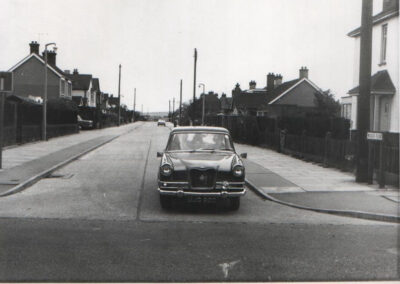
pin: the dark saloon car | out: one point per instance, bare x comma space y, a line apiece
200, 162
84, 123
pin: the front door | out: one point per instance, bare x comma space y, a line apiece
384, 113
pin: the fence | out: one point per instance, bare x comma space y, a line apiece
23, 120
328, 150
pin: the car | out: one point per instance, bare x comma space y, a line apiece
200, 162
161, 122
84, 123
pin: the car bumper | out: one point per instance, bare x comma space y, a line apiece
181, 189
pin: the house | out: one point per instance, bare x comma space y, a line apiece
113, 102
96, 90
384, 103
212, 104
226, 104
29, 76
291, 98
82, 86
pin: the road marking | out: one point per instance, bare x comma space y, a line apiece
140, 200
226, 266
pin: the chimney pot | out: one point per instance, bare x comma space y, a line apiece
34, 47
278, 80
270, 81
51, 57
252, 85
303, 72
76, 72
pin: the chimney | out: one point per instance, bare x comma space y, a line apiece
278, 80
252, 85
51, 57
303, 72
270, 81
390, 5
67, 72
34, 45
76, 72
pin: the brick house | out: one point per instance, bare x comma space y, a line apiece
28, 76
384, 105
291, 98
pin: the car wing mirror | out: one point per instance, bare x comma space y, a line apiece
243, 155
159, 154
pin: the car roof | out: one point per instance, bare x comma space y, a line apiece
199, 128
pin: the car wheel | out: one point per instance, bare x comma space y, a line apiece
166, 201
234, 203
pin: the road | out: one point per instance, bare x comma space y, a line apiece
99, 219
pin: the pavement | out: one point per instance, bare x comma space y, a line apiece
273, 176
305, 185
26, 164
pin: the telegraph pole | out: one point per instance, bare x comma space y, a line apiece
134, 105
119, 96
363, 104
173, 109
180, 105
194, 86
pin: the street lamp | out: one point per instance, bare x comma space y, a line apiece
204, 98
44, 120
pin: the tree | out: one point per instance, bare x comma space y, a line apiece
326, 104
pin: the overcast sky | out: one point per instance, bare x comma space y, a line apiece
154, 40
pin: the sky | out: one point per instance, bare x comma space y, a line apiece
154, 40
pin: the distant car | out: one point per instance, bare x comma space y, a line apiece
84, 123
201, 162
161, 122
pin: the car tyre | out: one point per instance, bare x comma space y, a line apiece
234, 203
166, 202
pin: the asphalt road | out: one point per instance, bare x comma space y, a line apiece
99, 219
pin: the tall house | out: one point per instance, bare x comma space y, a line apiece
384, 104
29, 76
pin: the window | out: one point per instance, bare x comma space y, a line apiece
199, 141
346, 111
62, 84
383, 43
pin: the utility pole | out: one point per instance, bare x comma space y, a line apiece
204, 103
169, 109
180, 105
134, 105
119, 96
173, 111
194, 86
363, 104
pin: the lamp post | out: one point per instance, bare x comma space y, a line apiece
204, 98
119, 96
44, 120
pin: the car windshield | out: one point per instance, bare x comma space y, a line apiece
199, 141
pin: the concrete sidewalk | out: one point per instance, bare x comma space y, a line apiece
26, 164
305, 185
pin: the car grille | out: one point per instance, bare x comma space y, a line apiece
202, 178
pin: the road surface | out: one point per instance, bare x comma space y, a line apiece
99, 219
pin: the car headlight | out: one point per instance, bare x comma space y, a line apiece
166, 170
238, 171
